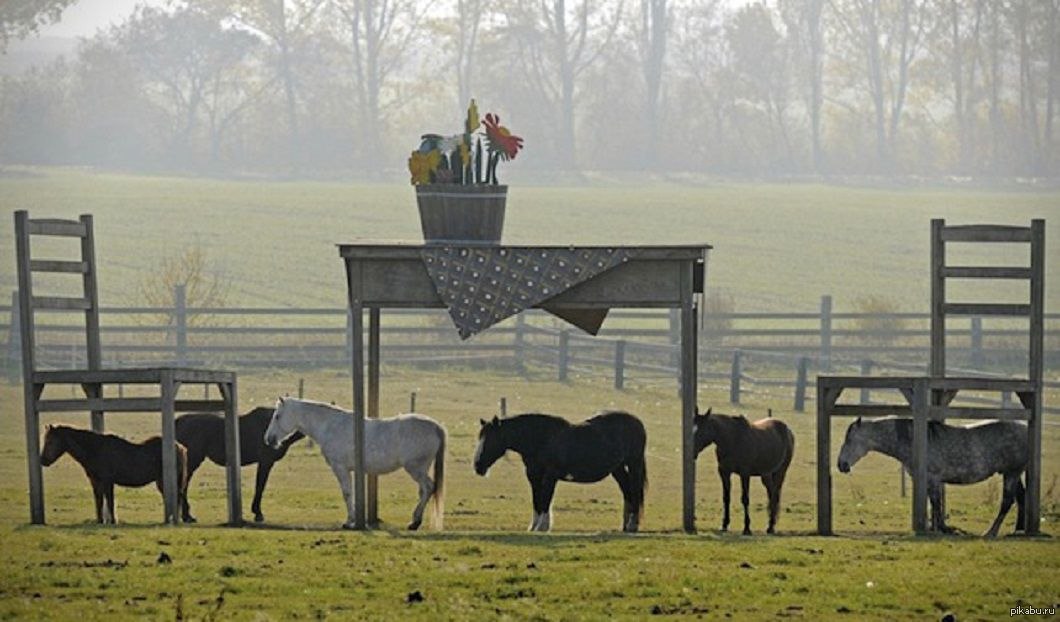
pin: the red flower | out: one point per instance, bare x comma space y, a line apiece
499, 139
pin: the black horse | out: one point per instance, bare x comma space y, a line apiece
553, 449
109, 460
204, 436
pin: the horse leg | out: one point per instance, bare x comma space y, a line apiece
771, 487
1021, 519
419, 473
621, 476
638, 482
185, 507
745, 499
1008, 496
543, 493
97, 492
346, 484
264, 468
108, 496
726, 489
938, 518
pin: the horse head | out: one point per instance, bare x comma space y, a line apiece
855, 446
492, 444
54, 447
704, 430
281, 425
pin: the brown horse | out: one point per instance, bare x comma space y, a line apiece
763, 448
110, 460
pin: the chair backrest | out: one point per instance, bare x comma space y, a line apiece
1035, 273
27, 228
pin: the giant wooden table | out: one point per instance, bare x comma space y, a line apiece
392, 275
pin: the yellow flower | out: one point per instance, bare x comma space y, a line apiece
472, 117
421, 165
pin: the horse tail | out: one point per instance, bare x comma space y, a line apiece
438, 496
638, 469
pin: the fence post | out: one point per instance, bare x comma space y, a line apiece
14, 336
1006, 399
866, 370
620, 363
564, 355
180, 319
826, 333
734, 378
412, 402
977, 342
504, 407
800, 384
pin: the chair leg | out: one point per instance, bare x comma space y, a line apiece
169, 451
36, 474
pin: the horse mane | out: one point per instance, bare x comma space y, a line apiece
904, 428
536, 420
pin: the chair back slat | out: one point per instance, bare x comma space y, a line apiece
88, 302
1034, 235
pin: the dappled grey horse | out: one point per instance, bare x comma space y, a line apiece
956, 455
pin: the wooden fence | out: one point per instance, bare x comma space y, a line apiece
746, 352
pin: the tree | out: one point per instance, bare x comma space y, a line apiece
886, 36
19, 18
805, 22
191, 66
652, 35
380, 36
557, 42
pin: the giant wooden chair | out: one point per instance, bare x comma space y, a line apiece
93, 379
930, 397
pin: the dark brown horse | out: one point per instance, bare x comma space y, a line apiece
204, 436
110, 460
763, 448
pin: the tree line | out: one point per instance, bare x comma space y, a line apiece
784, 88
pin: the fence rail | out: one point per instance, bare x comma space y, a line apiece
747, 352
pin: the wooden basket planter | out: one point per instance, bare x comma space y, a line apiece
461, 213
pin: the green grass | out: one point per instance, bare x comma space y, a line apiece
300, 565
777, 247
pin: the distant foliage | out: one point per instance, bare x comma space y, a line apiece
203, 286
880, 328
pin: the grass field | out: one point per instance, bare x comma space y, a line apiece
777, 247
300, 565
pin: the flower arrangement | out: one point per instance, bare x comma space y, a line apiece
459, 159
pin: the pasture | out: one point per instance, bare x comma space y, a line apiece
300, 565
778, 248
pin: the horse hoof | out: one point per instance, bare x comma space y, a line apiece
771, 531
259, 518
349, 525
746, 532
190, 519
414, 525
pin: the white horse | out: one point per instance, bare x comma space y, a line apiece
407, 441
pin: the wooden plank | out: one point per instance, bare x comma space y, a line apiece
985, 233
964, 412
58, 303
232, 457
866, 382
1035, 371
920, 448
212, 406
984, 272
937, 365
170, 493
824, 467
372, 490
107, 404
979, 308
869, 410
132, 376
689, 379
56, 227
47, 265
981, 384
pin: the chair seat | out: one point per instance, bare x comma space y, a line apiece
147, 375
